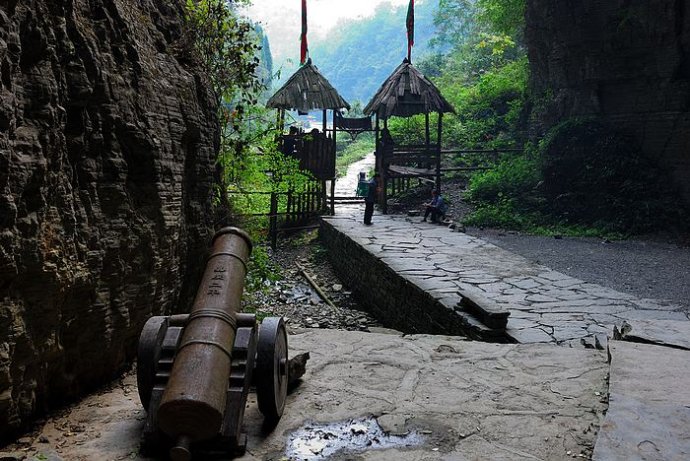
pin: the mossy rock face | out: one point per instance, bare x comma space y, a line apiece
595, 176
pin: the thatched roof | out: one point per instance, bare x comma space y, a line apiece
405, 93
307, 90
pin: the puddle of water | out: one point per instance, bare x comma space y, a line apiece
320, 441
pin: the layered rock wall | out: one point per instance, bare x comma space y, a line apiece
625, 60
107, 146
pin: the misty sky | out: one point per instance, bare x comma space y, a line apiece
281, 20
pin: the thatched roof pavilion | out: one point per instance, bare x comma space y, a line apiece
307, 90
405, 93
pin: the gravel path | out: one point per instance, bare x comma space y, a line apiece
647, 269
295, 299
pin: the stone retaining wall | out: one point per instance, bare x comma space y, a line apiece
389, 296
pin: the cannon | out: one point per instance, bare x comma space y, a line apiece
194, 371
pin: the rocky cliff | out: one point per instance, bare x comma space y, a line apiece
107, 146
625, 60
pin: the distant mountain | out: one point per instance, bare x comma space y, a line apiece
265, 70
361, 54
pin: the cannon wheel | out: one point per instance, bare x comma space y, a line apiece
147, 356
271, 372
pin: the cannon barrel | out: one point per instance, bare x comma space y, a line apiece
194, 400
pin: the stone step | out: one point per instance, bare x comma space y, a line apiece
486, 310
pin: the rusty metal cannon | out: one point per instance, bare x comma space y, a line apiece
194, 371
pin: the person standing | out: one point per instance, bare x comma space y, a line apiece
370, 199
362, 185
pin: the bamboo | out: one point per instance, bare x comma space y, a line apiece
315, 286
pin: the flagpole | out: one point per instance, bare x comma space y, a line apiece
304, 48
410, 30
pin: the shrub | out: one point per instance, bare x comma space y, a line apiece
515, 178
595, 176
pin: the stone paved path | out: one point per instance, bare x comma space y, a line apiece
347, 185
649, 404
545, 305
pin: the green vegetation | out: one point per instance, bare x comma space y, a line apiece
596, 177
581, 179
483, 74
489, 111
229, 50
261, 269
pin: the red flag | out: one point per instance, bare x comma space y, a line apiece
304, 48
410, 30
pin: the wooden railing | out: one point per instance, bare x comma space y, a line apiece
402, 164
315, 152
288, 211
413, 156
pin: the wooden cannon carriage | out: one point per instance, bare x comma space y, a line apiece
195, 370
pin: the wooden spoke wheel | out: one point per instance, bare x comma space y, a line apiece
148, 353
271, 372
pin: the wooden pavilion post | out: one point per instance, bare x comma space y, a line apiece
377, 153
335, 172
427, 130
427, 138
279, 120
384, 176
438, 152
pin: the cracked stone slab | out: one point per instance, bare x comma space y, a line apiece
473, 400
469, 400
661, 332
442, 259
649, 404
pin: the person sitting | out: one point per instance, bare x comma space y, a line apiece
436, 208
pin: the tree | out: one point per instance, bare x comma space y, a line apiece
504, 16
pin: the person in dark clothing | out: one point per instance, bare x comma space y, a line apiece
290, 141
386, 138
436, 208
362, 185
370, 199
